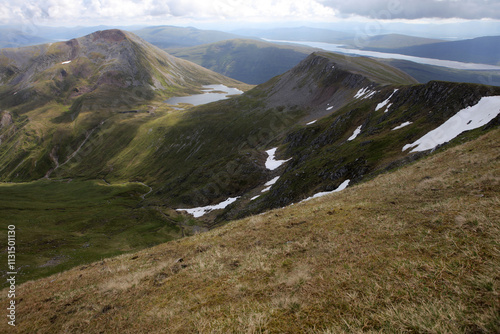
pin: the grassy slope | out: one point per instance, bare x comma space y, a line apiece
411, 251
61, 225
203, 155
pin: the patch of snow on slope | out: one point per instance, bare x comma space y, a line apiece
340, 188
272, 164
329, 108
364, 91
384, 103
270, 184
360, 93
255, 197
402, 125
312, 122
370, 94
466, 119
198, 212
66, 62
355, 133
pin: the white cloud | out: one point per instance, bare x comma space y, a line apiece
412, 9
133, 11
128, 12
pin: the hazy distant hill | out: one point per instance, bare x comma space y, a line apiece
298, 34
390, 41
12, 38
246, 60
170, 36
483, 50
425, 73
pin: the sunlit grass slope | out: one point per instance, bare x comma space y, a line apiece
414, 251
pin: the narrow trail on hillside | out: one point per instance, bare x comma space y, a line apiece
150, 189
72, 155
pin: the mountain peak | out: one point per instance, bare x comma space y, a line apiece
331, 78
107, 59
111, 35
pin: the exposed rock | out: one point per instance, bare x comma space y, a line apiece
6, 119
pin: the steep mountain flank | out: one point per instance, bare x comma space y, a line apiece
368, 136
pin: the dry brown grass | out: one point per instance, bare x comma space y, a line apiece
414, 251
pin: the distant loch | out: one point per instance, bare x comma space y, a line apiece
212, 93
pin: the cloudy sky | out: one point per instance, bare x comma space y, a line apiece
148, 12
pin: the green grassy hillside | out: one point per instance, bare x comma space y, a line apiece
63, 224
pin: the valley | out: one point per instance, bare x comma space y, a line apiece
157, 190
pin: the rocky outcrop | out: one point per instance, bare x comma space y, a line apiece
6, 119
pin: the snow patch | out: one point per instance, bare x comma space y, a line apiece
384, 103
370, 94
321, 194
466, 119
355, 133
270, 184
271, 163
364, 93
360, 93
329, 108
402, 125
66, 62
198, 212
255, 197
312, 122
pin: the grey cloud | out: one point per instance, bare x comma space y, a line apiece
413, 9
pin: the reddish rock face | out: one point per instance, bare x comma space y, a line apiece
113, 35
